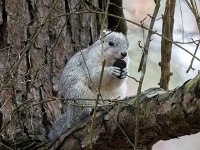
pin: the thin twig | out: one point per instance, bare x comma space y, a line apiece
182, 22
132, 22
190, 66
101, 77
133, 78
95, 106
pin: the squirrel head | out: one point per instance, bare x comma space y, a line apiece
115, 45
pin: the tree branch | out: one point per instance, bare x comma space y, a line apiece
166, 46
162, 116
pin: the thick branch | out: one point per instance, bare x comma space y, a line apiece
163, 115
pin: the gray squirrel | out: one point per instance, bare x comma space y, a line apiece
80, 79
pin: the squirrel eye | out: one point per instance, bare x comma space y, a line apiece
110, 43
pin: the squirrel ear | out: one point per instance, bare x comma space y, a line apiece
104, 33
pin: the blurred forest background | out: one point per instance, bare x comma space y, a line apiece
38, 37
185, 30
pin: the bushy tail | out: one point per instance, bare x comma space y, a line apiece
72, 116
60, 126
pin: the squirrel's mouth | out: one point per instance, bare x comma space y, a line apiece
122, 58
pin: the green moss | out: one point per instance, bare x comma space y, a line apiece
190, 84
149, 107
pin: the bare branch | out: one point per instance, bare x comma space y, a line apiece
190, 66
166, 46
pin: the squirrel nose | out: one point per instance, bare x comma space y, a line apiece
124, 54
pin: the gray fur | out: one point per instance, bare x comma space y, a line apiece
80, 82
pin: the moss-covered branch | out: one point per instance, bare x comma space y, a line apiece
163, 115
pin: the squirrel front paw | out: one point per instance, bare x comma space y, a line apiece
121, 65
118, 72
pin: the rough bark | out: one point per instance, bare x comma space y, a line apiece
34, 47
166, 45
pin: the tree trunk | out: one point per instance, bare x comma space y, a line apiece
37, 38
